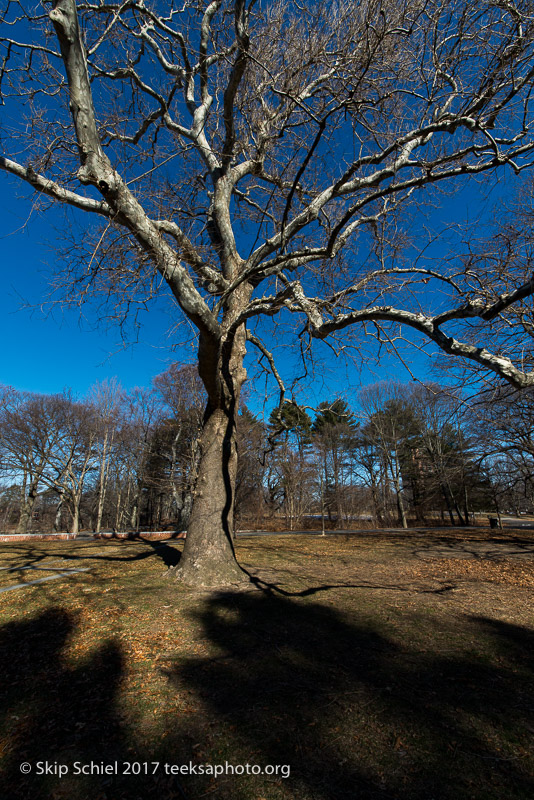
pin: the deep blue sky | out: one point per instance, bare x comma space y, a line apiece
45, 352
49, 352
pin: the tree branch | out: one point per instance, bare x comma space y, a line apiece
53, 189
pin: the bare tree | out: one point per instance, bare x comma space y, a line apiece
122, 498
389, 424
442, 463
143, 415
371, 468
502, 422
251, 467
48, 441
106, 398
310, 125
31, 429
74, 454
182, 391
290, 468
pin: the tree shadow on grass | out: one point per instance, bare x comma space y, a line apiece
54, 714
32, 557
515, 643
168, 555
353, 714
286, 682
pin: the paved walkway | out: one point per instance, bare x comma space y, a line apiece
64, 573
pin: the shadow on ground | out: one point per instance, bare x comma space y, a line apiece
26, 556
169, 555
292, 683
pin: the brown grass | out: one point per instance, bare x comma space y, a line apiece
374, 666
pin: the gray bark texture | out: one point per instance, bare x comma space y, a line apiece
26, 509
208, 558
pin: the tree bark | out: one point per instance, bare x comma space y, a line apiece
102, 482
75, 524
447, 502
26, 509
209, 558
59, 511
396, 475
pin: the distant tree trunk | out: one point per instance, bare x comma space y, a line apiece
187, 505
496, 503
118, 512
26, 508
158, 512
396, 476
457, 508
61, 491
376, 502
75, 524
400, 507
59, 510
466, 505
445, 493
178, 501
23, 498
183, 495
122, 508
134, 518
102, 480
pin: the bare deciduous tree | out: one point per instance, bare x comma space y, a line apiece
502, 423
309, 125
48, 440
182, 391
31, 430
389, 424
74, 456
106, 398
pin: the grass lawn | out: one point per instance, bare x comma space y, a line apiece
373, 666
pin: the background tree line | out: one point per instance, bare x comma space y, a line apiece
115, 460
403, 454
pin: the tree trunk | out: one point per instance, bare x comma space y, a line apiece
75, 525
396, 476
447, 502
400, 507
118, 510
466, 506
61, 490
102, 480
59, 510
208, 558
26, 509
376, 503
456, 507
